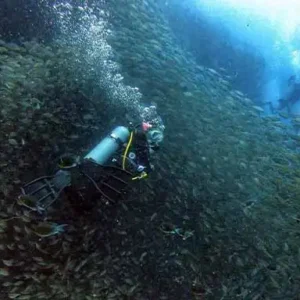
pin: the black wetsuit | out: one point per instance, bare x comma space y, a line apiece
291, 98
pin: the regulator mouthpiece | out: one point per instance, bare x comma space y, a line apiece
146, 126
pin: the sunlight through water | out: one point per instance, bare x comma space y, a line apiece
268, 27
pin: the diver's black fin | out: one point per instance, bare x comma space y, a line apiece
46, 189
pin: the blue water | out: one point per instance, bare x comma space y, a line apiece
269, 29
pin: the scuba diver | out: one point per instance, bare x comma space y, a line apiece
292, 95
106, 172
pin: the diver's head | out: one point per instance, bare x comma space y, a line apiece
153, 126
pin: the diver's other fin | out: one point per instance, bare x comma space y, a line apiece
47, 189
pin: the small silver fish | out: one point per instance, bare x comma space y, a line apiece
46, 229
29, 202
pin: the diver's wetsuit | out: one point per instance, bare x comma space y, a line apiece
291, 98
112, 180
87, 181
